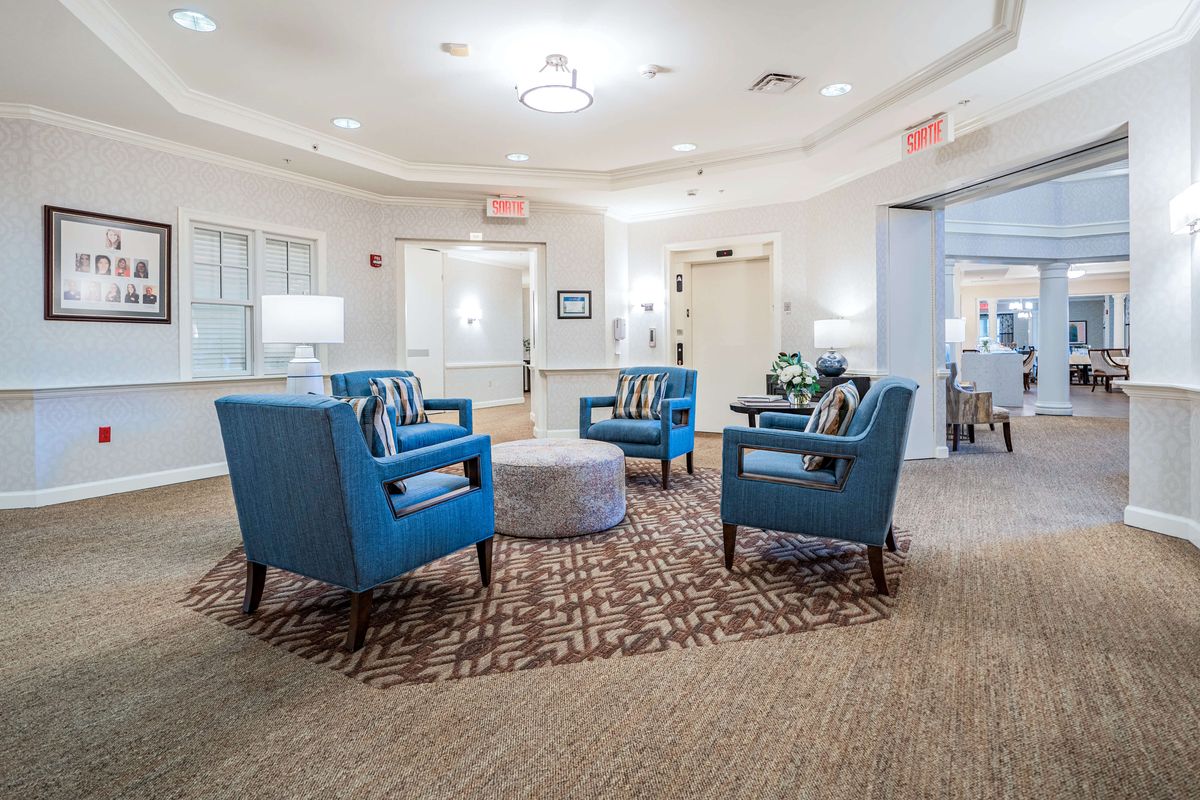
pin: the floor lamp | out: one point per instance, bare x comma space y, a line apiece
292, 318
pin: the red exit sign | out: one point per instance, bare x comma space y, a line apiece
508, 207
927, 136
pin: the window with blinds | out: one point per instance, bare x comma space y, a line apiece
287, 269
221, 305
230, 270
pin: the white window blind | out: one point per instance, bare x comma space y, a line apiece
221, 304
287, 269
230, 269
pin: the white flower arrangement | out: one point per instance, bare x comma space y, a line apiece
796, 376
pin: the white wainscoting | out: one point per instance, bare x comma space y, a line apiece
162, 433
487, 383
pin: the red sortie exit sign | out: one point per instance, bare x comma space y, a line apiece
927, 136
508, 207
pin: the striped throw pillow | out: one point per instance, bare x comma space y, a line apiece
639, 396
375, 422
403, 396
832, 418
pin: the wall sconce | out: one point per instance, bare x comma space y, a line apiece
470, 314
1185, 211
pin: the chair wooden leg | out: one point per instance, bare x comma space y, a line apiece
484, 549
729, 532
256, 576
360, 615
1008, 436
955, 447
971, 433
666, 475
691, 467
891, 538
991, 426
875, 558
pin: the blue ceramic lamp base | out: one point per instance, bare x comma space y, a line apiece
831, 364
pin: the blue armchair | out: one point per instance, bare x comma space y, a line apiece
312, 500
409, 437
765, 485
664, 439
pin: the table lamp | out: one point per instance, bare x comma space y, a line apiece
292, 318
831, 334
956, 330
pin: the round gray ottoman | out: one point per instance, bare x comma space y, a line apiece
547, 488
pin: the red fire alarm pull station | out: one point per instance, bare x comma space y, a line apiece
376, 260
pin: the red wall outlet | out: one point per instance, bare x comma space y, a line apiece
105, 434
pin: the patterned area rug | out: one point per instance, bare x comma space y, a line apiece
655, 582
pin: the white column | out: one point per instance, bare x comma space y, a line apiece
1054, 369
1118, 319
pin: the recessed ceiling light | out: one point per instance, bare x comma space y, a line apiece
684, 147
349, 123
193, 20
836, 89
517, 156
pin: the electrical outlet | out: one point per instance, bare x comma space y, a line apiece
105, 434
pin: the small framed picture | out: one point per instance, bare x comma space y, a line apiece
1077, 332
101, 268
574, 304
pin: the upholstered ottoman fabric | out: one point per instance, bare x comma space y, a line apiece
549, 488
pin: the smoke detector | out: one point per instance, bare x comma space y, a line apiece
775, 83
649, 71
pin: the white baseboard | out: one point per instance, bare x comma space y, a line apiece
507, 401
130, 483
1158, 522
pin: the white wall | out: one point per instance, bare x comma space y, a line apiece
483, 358
154, 438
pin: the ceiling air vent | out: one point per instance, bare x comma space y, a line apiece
775, 83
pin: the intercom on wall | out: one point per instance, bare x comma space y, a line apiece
653, 339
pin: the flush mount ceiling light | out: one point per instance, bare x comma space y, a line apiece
193, 20
517, 156
1076, 272
836, 89
684, 147
349, 123
555, 88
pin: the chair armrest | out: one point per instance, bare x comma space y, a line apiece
586, 404
736, 440
432, 458
461, 405
786, 422
669, 407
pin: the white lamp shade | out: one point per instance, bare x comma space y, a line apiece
831, 333
302, 318
956, 330
1185, 209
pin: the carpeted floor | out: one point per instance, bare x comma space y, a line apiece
1036, 648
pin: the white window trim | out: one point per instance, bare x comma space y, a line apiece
259, 232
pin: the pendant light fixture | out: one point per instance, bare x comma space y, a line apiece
555, 88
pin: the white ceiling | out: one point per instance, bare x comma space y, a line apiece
264, 86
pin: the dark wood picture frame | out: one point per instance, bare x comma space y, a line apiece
586, 292
52, 217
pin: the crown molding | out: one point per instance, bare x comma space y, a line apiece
58, 119
113, 30
1184, 30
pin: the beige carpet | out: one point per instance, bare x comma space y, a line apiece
1037, 648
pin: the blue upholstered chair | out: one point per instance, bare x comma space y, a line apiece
765, 485
312, 500
408, 437
664, 439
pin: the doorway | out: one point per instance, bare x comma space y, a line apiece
467, 319
723, 312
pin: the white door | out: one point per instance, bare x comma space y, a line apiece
910, 318
424, 338
732, 339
